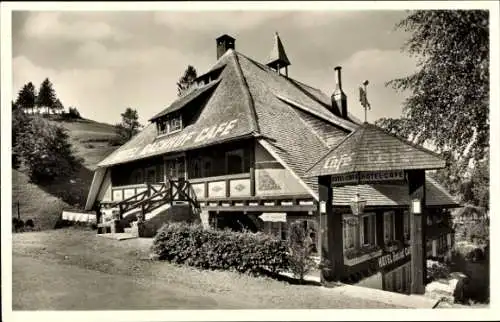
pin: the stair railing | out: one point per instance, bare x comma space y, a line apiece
155, 197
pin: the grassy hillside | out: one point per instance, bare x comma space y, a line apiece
92, 141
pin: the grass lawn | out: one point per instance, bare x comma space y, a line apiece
73, 269
44, 202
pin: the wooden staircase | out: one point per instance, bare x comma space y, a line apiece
131, 212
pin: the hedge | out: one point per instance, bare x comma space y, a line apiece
245, 252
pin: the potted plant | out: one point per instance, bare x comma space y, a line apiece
358, 255
392, 245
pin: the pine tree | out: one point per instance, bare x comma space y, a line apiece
46, 96
26, 99
58, 107
186, 81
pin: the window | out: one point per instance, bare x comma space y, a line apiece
195, 169
388, 226
368, 230
175, 124
406, 226
169, 125
136, 177
159, 174
349, 232
207, 167
234, 162
151, 175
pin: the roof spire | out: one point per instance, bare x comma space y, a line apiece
278, 58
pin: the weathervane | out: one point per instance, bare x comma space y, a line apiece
363, 99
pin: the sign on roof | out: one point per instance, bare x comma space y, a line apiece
183, 139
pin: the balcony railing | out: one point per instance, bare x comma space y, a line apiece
220, 187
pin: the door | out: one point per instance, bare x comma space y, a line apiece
175, 168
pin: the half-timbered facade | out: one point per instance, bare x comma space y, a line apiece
243, 139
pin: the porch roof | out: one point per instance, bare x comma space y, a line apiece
392, 195
370, 148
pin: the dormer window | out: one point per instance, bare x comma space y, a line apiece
169, 124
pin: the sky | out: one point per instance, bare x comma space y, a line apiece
103, 62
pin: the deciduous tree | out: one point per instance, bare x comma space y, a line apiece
448, 105
129, 126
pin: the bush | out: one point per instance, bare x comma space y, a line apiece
73, 113
300, 260
46, 151
17, 225
436, 270
245, 252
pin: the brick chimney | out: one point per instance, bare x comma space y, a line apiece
339, 99
224, 43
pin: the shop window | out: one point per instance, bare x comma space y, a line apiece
388, 226
406, 226
349, 232
234, 162
368, 230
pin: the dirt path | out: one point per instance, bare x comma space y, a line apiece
76, 270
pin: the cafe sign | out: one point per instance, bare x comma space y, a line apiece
177, 141
369, 177
393, 257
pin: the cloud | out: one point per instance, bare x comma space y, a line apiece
70, 85
50, 25
220, 20
98, 55
377, 66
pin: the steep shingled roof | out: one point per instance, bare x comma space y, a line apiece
370, 148
227, 115
293, 118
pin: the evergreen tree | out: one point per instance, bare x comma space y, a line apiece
46, 95
186, 81
26, 98
58, 107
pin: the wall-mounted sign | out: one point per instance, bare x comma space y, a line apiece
273, 216
369, 177
322, 207
393, 257
415, 204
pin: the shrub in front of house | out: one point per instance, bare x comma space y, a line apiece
245, 252
300, 260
